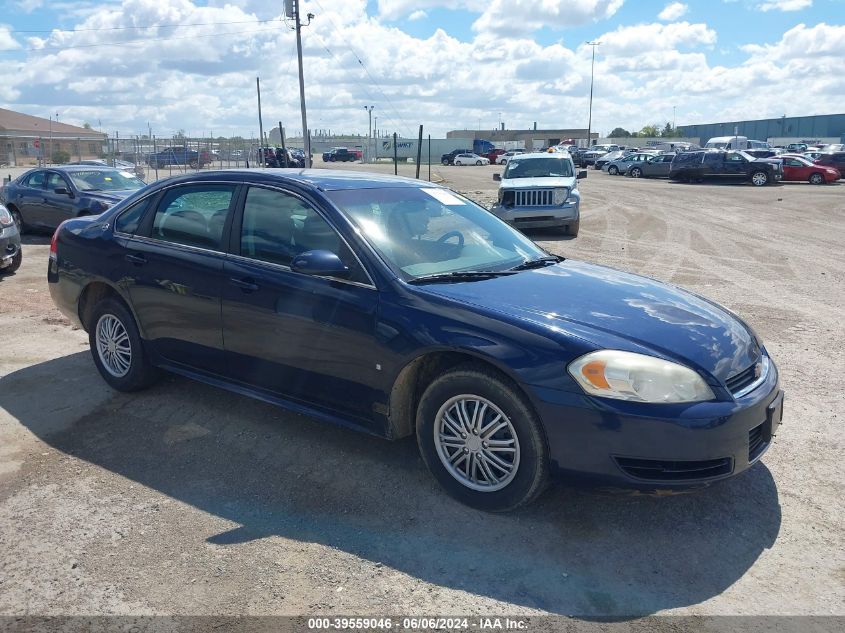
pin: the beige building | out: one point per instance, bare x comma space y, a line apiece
26, 139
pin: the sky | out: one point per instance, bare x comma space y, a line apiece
171, 65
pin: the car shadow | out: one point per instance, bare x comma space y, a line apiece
35, 239
575, 552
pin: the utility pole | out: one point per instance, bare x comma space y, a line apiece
592, 74
293, 7
369, 110
260, 125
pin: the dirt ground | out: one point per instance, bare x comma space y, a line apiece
186, 499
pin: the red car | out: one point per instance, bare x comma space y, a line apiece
798, 168
492, 156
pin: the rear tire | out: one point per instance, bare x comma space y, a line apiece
759, 178
117, 348
493, 471
16, 216
816, 179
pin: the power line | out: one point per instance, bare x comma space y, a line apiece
135, 41
148, 26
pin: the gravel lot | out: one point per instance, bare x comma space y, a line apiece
186, 499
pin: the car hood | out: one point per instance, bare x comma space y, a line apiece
537, 183
110, 196
617, 310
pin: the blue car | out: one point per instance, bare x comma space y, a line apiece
399, 308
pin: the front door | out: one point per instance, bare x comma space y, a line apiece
58, 207
177, 273
303, 337
29, 199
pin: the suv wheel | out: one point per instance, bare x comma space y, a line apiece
759, 178
816, 179
481, 440
117, 348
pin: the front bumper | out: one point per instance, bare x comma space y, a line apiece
659, 446
537, 217
10, 245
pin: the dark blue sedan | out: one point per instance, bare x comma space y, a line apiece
44, 198
398, 307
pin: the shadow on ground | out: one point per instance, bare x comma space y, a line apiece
274, 473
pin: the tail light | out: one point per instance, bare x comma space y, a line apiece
54, 245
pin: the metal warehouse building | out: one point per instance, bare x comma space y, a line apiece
824, 127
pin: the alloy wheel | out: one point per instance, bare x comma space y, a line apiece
816, 179
113, 346
476, 443
759, 178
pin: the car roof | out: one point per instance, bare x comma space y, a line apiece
72, 168
322, 179
557, 154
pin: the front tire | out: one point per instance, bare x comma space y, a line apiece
17, 260
612, 170
18, 219
636, 172
816, 179
478, 163
573, 228
117, 348
481, 440
444, 161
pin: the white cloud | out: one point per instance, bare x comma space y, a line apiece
784, 5
28, 6
205, 80
672, 12
418, 15
512, 17
7, 41
398, 9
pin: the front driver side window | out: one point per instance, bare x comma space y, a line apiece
193, 215
277, 226
36, 180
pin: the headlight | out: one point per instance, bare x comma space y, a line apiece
637, 377
6, 218
560, 196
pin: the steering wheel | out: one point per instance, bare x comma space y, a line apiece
446, 236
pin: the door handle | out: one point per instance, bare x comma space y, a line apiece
138, 260
247, 284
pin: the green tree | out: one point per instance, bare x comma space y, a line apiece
669, 131
86, 125
60, 157
650, 131
619, 132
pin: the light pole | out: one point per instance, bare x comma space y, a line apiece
673, 121
369, 110
592, 73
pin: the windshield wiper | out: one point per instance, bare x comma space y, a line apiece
538, 263
465, 275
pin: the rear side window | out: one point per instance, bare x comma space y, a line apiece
688, 157
128, 221
36, 180
193, 215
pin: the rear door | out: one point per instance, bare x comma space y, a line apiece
175, 273
29, 198
305, 338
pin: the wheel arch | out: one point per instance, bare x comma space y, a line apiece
95, 292
418, 373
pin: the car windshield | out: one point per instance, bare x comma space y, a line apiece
538, 168
432, 231
105, 180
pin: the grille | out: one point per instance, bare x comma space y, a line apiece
663, 470
534, 218
756, 442
534, 198
740, 381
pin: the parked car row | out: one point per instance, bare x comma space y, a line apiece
705, 164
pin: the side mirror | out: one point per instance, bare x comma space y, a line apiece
581, 174
320, 263
62, 191
497, 177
